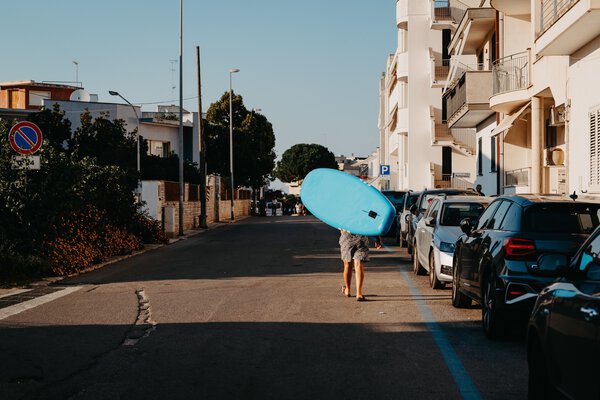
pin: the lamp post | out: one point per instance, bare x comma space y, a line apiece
137, 140
231, 72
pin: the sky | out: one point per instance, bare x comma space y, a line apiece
312, 67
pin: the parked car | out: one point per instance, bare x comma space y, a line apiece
563, 342
417, 210
397, 200
438, 231
494, 259
410, 199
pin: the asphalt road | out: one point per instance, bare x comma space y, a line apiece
254, 310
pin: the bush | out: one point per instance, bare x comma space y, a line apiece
15, 266
80, 239
148, 230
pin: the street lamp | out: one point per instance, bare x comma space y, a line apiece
231, 72
137, 131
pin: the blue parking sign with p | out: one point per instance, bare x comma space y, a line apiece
384, 170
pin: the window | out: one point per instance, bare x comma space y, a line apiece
487, 215
595, 149
493, 153
479, 157
561, 218
433, 209
453, 213
36, 97
499, 215
512, 220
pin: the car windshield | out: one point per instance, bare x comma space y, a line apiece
453, 213
396, 198
412, 199
561, 218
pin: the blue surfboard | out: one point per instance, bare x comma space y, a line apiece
345, 202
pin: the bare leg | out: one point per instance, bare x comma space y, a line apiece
347, 276
360, 274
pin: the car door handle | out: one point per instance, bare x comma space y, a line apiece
589, 312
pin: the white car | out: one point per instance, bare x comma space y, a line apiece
438, 231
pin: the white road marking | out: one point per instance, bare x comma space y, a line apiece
28, 305
11, 292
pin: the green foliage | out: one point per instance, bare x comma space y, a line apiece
253, 142
43, 217
167, 169
300, 159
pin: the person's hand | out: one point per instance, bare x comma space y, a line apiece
378, 243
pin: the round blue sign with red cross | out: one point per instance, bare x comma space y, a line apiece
25, 138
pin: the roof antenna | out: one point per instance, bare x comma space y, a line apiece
574, 195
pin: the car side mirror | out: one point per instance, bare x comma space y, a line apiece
430, 221
550, 264
413, 209
466, 226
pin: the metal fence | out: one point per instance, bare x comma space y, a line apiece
511, 73
551, 11
450, 181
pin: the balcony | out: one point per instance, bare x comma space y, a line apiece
564, 26
463, 140
473, 30
510, 76
512, 8
441, 15
517, 181
467, 102
402, 13
439, 70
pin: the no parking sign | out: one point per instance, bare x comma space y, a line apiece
25, 138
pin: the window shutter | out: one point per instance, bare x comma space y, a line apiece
594, 150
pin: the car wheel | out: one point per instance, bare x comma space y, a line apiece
417, 268
434, 282
459, 299
539, 386
493, 324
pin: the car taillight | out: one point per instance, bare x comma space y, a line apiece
519, 248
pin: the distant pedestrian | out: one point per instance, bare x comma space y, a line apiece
355, 251
478, 190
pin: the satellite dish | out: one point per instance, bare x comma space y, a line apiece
80, 95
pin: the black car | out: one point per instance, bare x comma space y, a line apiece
419, 207
495, 260
563, 342
397, 200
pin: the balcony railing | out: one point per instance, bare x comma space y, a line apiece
517, 177
551, 11
466, 138
451, 181
449, 10
511, 73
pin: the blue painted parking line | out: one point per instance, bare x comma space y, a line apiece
463, 381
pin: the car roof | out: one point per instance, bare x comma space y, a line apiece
448, 191
530, 199
467, 199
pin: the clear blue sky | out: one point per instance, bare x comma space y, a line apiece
312, 66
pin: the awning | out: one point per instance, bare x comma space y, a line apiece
508, 121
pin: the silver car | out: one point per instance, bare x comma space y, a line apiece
438, 231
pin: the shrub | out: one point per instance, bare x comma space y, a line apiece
148, 230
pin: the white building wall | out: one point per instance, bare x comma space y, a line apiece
421, 98
488, 179
584, 91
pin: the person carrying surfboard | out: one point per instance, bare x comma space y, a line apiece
355, 251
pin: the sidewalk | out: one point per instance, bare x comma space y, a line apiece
22, 290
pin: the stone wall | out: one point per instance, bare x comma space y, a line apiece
163, 199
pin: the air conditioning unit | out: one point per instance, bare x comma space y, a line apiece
557, 116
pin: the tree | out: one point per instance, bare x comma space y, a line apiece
253, 142
300, 159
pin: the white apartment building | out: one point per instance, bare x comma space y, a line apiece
520, 103
546, 87
414, 139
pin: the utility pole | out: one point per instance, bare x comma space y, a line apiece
202, 149
181, 185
